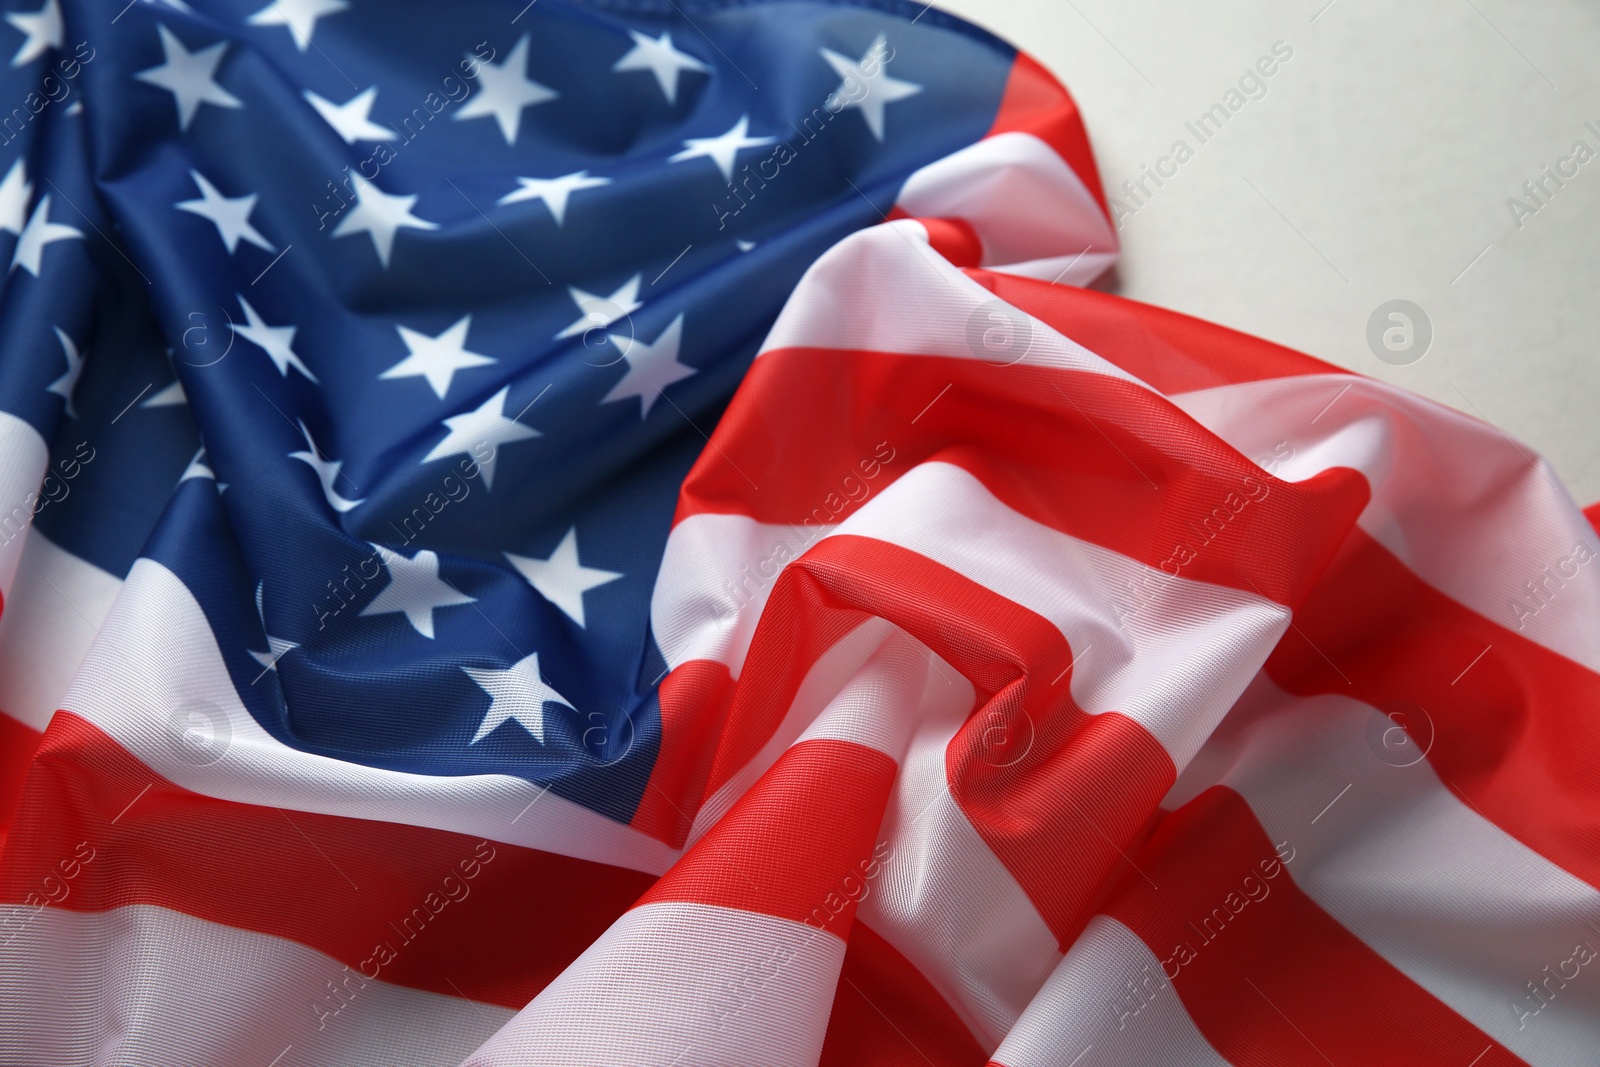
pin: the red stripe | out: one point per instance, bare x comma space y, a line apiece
1062, 818
885, 1013
17, 746
955, 240
801, 621
694, 701
799, 845
1592, 513
1172, 352
497, 921
1513, 725
1055, 813
1099, 458
1035, 102
1270, 978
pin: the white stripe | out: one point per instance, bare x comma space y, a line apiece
1030, 209
942, 898
1173, 656
884, 289
685, 985
156, 664
52, 614
946, 902
23, 457
875, 687
823, 682
1467, 510
144, 986
900, 693
713, 585
1174, 662
1452, 901
1084, 1015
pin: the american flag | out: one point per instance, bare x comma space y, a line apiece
614, 533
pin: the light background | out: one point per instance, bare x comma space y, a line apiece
1376, 167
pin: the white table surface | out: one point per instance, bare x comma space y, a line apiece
1377, 166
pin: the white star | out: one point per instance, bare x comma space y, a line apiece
39, 232
744, 246
189, 76
277, 647
504, 90
722, 149
415, 589
199, 467
561, 579
350, 119
299, 15
600, 312
170, 397
651, 367
553, 191
276, 341
659, 57
43, 29
15, 192
231, 215
380, 215
484, 425
880, 90
64, 385
436, 358
328, 472
518, 693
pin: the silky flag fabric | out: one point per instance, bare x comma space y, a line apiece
613, 533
